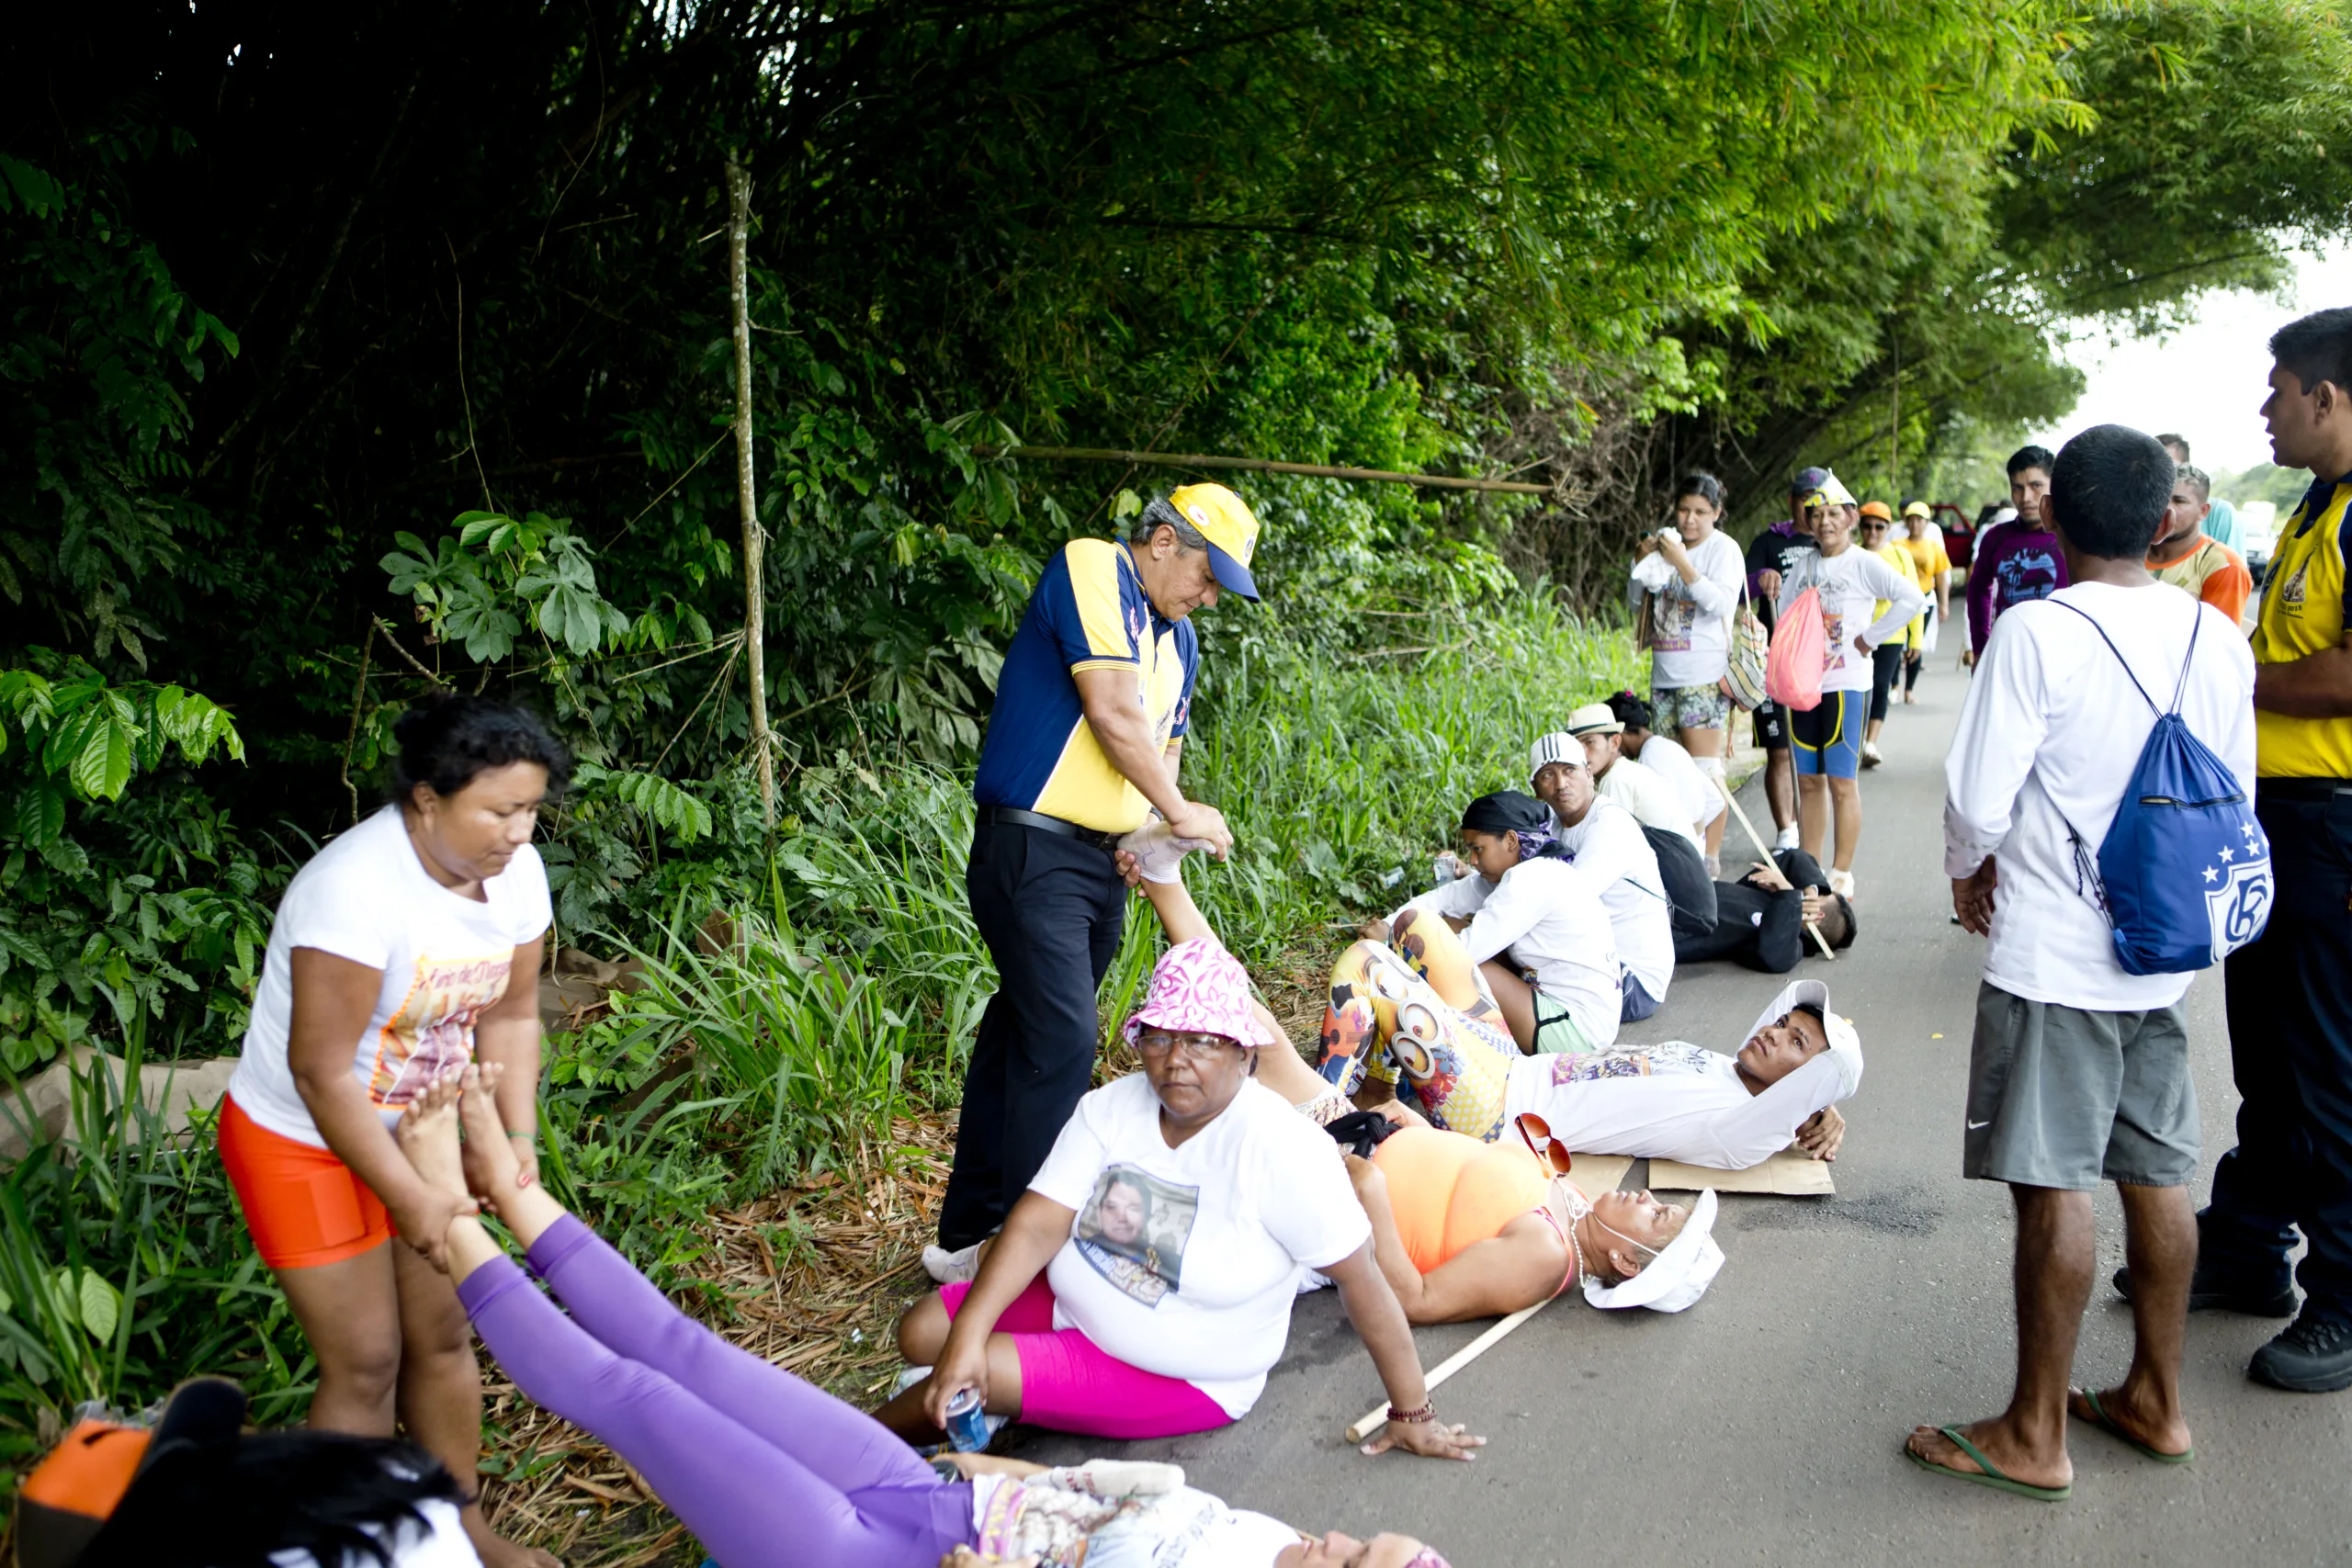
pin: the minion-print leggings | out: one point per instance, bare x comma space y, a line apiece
1410, 1008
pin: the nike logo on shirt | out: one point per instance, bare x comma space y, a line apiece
1973, 1125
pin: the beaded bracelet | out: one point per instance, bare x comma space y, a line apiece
1427, 1412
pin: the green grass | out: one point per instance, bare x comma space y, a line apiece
783, 1037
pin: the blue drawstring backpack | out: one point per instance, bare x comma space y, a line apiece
2184, 872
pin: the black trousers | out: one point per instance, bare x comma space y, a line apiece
1051, 910
1886, 663
2291, 1051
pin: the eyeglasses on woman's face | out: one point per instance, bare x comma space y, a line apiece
1194, 1047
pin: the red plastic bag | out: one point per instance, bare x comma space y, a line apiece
1800, 651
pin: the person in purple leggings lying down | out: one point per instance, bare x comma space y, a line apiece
764, 1469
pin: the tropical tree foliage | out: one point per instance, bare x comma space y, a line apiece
358, 350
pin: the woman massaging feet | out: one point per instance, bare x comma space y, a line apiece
766, 1471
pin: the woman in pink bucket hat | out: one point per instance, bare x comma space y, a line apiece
1142, 1287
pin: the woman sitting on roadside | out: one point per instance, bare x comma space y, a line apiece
766, 1471
1142, 1287
1461, 1228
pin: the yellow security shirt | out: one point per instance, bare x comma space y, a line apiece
2302, 613
1089, 612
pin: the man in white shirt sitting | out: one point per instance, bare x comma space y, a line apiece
2079, 1071
1602, 839
1668, 758
1653, 802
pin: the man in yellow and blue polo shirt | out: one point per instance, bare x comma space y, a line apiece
1083, 742
2290, 989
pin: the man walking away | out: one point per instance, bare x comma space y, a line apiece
1769, 554
2079, 1071
1083, 739
2290, 989
2018, 560
2185, 556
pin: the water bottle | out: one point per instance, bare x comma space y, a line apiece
1445, 868
968, 1424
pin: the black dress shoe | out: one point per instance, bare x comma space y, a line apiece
2209, 1295
2313, 1356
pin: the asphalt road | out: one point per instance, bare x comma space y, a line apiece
1764, 1426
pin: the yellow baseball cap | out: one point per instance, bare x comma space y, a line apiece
1231, 529
1919, 509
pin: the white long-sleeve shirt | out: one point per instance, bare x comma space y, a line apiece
1654, 801
1672, 1101
1672, 761
1690, 622
1850, 583
1549, 915
1609, 844
2049, 735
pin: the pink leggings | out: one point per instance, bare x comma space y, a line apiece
1071, 1384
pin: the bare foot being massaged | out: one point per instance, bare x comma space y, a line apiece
765, 1470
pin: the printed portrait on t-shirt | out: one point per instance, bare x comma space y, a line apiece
1671, 618
433, 1029
1833, 643
1134, 1229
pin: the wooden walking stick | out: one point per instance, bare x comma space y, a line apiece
1758, 839
1377, 1416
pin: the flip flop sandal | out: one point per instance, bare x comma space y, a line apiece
1991, 1476
2099, 1419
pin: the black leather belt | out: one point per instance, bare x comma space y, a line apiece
2303, 789
1012, 817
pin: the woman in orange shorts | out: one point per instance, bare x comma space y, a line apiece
406, 949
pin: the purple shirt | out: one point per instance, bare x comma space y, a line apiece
2011, 564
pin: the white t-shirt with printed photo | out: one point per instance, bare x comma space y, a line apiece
1185, 1262
1690, 622
1849, 585
445, 958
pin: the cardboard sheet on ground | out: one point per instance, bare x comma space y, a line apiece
1596, 1174
1788, 1174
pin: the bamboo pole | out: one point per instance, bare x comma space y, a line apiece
739, 219
1257, 466
1376, 1418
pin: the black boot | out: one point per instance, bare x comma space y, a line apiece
2313, 1356
2208, 1294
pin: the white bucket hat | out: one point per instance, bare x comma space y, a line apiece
1679, 1275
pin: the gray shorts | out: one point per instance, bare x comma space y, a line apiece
2062, 1096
